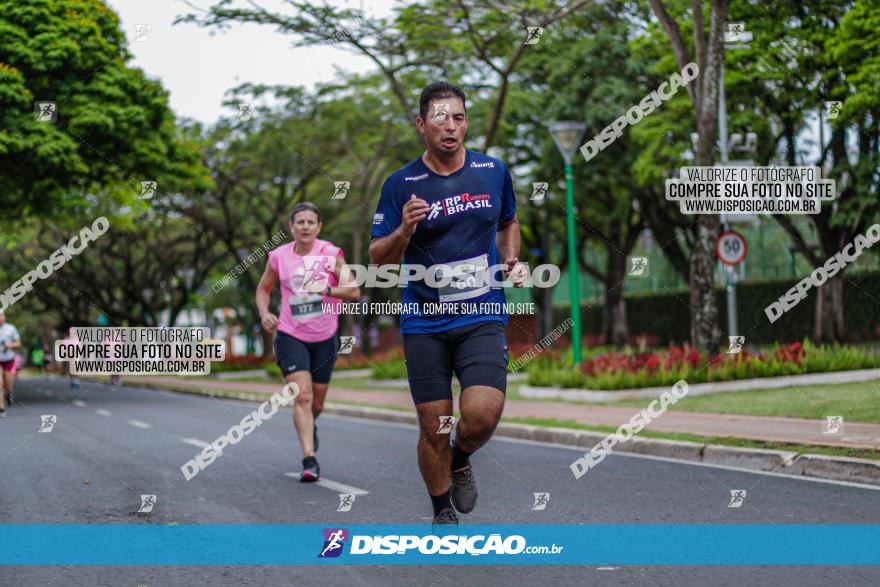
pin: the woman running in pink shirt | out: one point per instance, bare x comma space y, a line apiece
305, 343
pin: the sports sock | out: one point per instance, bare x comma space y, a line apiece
459, 457
440, 502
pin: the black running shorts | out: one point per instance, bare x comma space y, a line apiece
477, 354
294, 355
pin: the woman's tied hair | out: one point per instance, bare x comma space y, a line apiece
305, 207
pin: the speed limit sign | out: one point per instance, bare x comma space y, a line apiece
731, 248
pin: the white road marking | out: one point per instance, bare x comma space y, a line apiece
79, 403
624, 454
194, 442
103, 412
607, 568
139, 424
333, 485
683, 462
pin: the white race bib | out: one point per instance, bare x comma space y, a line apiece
468, 279
303, 305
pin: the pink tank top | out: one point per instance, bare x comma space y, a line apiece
302, 312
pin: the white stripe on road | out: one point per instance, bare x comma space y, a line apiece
103, 412
139, 424
334, 485
194, 442
79, 403
789, 476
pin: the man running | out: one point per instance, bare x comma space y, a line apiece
305, 346
456, 208
9, 341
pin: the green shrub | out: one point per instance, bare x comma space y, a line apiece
391, 368
793, 359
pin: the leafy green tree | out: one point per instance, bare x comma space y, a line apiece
113, 129
801, 57
584, 70
132, 273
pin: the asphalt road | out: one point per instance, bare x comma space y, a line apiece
109, 445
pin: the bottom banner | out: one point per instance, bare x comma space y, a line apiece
715, 544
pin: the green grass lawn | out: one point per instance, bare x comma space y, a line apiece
856, 402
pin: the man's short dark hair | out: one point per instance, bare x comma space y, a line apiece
439, 90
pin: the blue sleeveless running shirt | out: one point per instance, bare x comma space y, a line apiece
459, 231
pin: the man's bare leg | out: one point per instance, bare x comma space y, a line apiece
481, 409
433, 450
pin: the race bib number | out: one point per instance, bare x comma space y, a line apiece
467, 279
303, 303
303, 307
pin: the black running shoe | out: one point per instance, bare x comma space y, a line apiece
311, 471
2, 413
446, 516
464, 490
315, 437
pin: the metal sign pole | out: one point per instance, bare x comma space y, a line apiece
732, 327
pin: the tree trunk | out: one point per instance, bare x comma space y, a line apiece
614, 325
705, 332
828, 324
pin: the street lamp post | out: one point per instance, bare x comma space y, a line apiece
567, 135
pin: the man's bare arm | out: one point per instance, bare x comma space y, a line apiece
507, 241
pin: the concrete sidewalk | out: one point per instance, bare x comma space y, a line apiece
762, 428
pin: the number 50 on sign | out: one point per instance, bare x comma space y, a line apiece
731, 248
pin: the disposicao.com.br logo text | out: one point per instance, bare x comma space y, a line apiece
476, 545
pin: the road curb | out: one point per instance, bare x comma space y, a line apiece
784, 462
839, 468
758, 459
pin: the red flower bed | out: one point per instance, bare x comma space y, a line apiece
677, 357
791, 352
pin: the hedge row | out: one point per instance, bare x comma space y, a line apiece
667, 315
